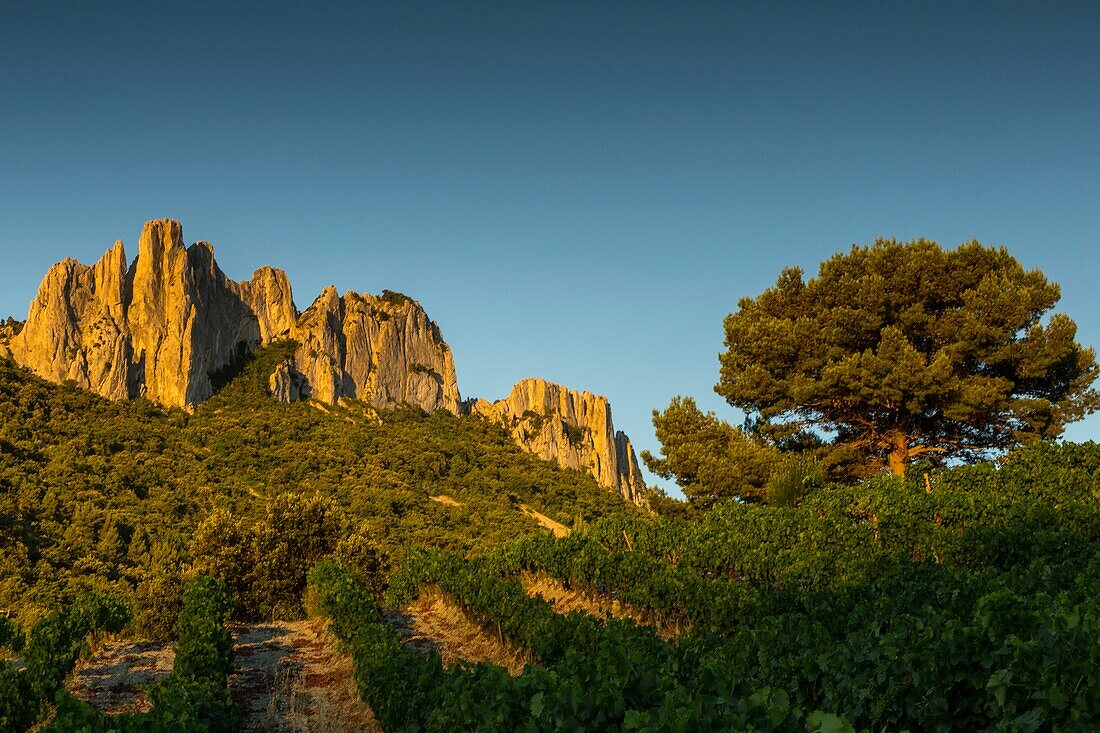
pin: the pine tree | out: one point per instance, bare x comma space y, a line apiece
900, 351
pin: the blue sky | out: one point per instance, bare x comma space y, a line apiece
576, 191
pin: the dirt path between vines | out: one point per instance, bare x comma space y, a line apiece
289, 679
434, 622
567, 600
112, 679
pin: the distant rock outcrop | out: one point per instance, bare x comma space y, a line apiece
286, 383
380, 349
159, 328
186, 317
269, 296
569, 427
8, 330
76, 328
164, 325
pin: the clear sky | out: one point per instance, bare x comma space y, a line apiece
575, 191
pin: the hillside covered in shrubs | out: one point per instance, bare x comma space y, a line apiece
131, 498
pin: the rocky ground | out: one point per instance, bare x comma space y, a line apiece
434, 622
290, 678
113, 679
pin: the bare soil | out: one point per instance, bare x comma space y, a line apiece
567, 600
290, 678
114, 678
434, 622
559, 529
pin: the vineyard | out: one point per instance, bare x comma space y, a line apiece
193, 698
964, 601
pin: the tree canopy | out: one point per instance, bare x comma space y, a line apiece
899, 351
709, 458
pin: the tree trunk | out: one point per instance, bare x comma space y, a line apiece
899, 454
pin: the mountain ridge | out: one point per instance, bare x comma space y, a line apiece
164, 325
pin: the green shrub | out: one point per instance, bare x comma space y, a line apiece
52, 648
205, 648
57, 641
575, 433
11, 635
793, 479
368, 558
394, 298
158, 600
17, 707
265, 561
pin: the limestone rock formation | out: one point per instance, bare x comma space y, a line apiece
286, 383
8, 330
269, 296
164, 325
572, 428
159, 328
186, 319
76, 328
380, 349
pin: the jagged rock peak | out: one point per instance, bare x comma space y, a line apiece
573, 428
76, 327
380, 349
162, 326
159, 328
8, 330
269, 296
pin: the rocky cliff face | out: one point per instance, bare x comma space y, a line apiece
569, 427
163, 325
160, 327
187, 319
286, 383
380, 349
269, 297
75, 328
